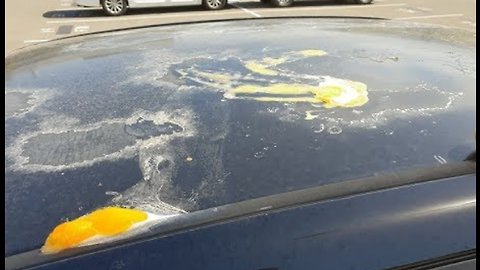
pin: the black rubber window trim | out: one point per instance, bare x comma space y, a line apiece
440, 261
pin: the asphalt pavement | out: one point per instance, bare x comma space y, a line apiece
31, 22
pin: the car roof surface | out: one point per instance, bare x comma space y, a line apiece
162, 119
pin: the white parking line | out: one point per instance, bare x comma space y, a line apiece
66, 3
246, 10
470, 23
430, 16
129, 18
47, 30
35, 40
81, 29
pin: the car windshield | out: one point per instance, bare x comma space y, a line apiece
168, 109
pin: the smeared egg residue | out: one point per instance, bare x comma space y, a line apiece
311, 53
328, 91
267, 65
261, 67
332, 92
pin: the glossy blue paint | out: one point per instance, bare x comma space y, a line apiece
80, 113
370, 231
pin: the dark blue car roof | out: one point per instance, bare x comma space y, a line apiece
147, 119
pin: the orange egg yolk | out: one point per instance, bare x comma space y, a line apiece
104, 222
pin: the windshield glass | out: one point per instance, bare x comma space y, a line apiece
175, 119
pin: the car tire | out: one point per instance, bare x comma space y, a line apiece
214, 4
114, 7
265, 1
282, 3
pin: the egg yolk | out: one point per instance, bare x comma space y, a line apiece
109, 221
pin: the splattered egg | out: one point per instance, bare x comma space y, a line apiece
287, 86
103, 225
332, 92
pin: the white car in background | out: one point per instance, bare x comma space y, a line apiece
119, 7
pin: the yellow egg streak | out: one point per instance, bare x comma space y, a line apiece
260, 68
105, 222
311, 53
215, 77
332, 93
266, 65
